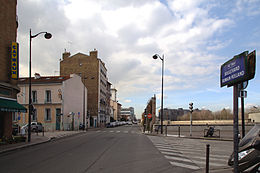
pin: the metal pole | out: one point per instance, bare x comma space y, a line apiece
84, 117
30, 88
235, 126
190, 123
207, 158
179, 130
162, 96
242, 113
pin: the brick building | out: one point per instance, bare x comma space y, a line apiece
9, 56
94, 76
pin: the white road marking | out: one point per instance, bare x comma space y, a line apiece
185, 165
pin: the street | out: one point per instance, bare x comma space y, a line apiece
119, 149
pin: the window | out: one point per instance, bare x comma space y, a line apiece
47, 96
47, 114
15, 117
34, 115
34, 96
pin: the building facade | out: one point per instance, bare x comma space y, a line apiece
57, 101
173, 114
94, 76
9, 71
115, 106
128, 113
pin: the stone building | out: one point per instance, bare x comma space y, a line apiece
58, 101
94, 75
149, 109
9, 63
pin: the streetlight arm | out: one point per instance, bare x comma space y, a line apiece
47, 35
32, 36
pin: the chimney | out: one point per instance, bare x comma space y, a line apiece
37, 76
94, 53
65, 55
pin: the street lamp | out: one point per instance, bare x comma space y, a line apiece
161, 58
47, 36
84, 96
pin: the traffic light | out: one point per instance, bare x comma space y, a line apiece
251, 61
191, 107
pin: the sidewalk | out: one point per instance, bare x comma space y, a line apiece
35, 140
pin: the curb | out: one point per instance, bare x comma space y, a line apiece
201, 138
49, 139
24, 146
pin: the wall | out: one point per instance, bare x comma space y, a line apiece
88, 67
73, 102
40, 105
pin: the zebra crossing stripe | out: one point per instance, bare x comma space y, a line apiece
194, 157
178, 158
185, 165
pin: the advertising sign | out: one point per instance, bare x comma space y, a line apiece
234, 71
14, 60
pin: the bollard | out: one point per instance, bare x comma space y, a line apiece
42, 131
207, 158
179, 131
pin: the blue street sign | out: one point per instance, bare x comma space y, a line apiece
234, 71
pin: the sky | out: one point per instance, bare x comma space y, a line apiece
195, 37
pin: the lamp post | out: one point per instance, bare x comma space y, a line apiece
161, 58
47, 36
84, 103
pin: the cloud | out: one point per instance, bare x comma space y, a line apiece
128, 101
127, 34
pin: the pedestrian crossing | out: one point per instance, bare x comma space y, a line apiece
118, 131
186, 155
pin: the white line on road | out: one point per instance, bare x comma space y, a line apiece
185, 165
193, 157
178, 158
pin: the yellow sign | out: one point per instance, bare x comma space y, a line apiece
14, 60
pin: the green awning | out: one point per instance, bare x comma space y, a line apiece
11, 106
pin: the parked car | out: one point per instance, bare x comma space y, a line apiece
34, 127
108, 125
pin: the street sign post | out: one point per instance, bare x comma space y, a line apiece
237, 71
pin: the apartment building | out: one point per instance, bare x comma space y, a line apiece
58, 101
128, 113
94, 76
115, 106
9, 71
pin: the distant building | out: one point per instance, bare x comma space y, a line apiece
173, 114
128, 113
115, 106
9, 67
94, 76
58, 101
254, 117
149, 109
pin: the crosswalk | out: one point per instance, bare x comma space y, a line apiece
186, 155
118, 131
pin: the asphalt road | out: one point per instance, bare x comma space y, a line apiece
121, 149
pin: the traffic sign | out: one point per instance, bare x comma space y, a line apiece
149, 115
